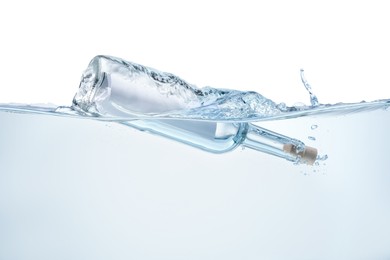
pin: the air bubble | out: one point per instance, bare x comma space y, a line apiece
322, 158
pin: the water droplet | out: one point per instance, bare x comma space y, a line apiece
313, 127
311, 138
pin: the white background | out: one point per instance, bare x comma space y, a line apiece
250, 45
80, 189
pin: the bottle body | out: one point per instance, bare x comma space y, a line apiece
115, 88
111, 86
209, 136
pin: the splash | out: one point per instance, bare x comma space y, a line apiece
313, 98
146, 93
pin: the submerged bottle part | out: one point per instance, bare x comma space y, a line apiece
111, 87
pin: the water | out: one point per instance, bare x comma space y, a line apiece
214, 120
96, 190
79, 189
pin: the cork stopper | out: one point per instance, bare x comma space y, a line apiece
308, 155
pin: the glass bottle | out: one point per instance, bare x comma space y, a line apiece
111, 87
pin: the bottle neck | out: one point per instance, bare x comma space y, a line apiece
267, 141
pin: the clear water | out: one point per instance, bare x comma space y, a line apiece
215, 120
87, 189
84, 189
